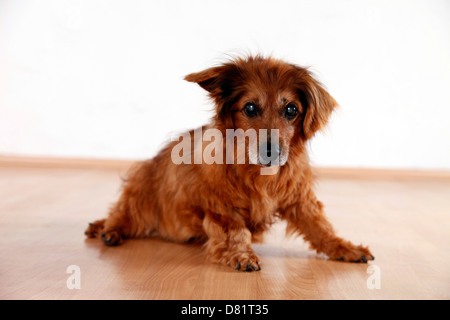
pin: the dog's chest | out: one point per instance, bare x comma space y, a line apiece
262, 209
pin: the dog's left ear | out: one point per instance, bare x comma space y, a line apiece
318, 102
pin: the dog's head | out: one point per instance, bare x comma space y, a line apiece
264, 93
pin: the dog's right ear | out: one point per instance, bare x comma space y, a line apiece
217, 80
209, 79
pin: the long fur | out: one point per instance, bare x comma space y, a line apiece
229, 206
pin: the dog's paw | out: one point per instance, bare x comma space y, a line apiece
351, 253
94, 229
246, 261
111, 238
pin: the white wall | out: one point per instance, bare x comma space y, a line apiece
103, 78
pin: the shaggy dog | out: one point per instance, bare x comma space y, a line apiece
227, 205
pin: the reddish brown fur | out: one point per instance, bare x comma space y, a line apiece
227, 206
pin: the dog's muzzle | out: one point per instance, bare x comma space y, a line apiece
269, 154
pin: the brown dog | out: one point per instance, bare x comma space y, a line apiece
229, 206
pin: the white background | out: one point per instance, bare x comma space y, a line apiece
103, 78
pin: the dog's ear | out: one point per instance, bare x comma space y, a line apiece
207, 79
214, 80
318, 102
219, 82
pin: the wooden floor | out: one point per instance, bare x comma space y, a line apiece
44, 211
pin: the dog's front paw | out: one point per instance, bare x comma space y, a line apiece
350, 253
245, 261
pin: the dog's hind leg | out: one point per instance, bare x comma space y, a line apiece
116, 227
130, 217
112, 230
133, 215
95, 228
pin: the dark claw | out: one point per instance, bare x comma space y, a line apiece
249, 268
373, 258
341, 259
238, 267
364, 259
104, 239
91, 224
259, 266
109, 242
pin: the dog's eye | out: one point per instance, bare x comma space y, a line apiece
291, 111
250, 110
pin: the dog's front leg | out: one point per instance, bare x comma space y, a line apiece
229, 243
306, 217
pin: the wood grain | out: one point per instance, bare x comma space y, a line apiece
44, 211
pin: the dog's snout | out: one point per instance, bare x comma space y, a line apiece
275, 148
269, 153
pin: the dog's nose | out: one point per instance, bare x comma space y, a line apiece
269, 153
275, 148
